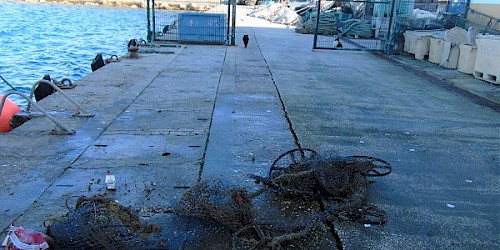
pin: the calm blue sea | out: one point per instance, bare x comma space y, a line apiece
60, 40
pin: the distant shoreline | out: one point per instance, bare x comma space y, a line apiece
193, 5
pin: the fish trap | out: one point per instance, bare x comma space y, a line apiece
301, 172
100, 223
339, 183
214, 201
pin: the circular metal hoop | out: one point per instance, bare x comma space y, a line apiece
378, 166
291, 157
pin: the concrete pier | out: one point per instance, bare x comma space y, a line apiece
165, 121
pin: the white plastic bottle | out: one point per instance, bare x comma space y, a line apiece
110, 181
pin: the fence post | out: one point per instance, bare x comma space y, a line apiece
467, 6
233, 29
318, 7
391, 29
154, 19
149, 36
228, 29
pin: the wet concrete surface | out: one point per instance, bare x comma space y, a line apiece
443, 146
163, 122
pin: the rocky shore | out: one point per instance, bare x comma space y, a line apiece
189, 5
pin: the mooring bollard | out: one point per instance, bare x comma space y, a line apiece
133, 47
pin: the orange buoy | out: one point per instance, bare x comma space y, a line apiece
10, 108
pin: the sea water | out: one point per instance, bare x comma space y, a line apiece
60, 40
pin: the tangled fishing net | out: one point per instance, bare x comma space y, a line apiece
100, 223
338, 184
269, 237
214, 201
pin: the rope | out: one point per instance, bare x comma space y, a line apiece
3, 79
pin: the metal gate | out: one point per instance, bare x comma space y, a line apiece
352, 24
188, 21
380, 24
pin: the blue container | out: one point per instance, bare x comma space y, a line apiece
457, 6
202, 28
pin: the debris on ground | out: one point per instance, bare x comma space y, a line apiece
338, 184
21, 238
214, 201
269, 237
100, 223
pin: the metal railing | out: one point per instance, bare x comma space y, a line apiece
79, 111
60, 128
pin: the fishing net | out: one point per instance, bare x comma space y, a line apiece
100, 223
212, 200
340, 183
269, 237
340, 177
362, 213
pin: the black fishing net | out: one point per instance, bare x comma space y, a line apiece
100, 223
214, 201
339, 183
339, 177
269, 237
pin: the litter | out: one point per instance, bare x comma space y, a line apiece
101, 223
110, 181
339, 184
214, 201
268, 237
19, 238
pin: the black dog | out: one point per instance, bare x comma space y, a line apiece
245, 40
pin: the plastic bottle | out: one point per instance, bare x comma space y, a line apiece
110, 181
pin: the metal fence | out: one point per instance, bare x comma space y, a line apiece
378, 25
190, 21
352, 24
478, 20
424, 15
429, 14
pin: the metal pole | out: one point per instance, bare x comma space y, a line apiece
228, 20
467, 7
318, 7
390, 33
154, 19
233, 29
149, 38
